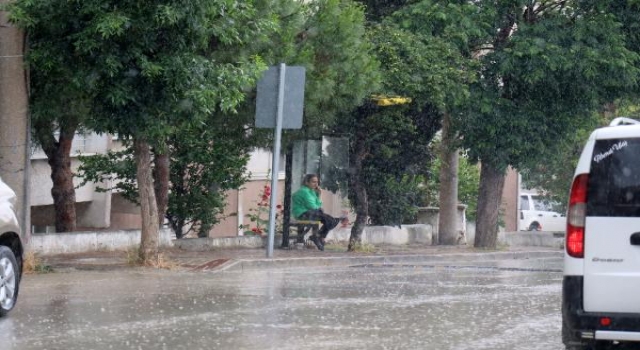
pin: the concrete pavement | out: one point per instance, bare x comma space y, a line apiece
241, 259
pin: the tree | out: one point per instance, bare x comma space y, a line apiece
147, 70
337, 72
390, 153
328, 37
551, 65
545, 65
59, 98
555, 174
444, 97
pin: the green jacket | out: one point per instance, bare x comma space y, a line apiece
304, 199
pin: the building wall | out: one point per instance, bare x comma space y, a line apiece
124, 215
97, 210
243, 202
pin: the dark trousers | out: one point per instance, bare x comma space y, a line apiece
328, 221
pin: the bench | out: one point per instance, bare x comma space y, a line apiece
303, 227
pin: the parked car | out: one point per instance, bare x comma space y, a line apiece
601, 284
11, 250
537, 214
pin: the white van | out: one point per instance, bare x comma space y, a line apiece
537, 214
601, 284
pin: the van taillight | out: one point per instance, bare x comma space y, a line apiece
576, 216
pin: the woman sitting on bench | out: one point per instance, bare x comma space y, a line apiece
306, 205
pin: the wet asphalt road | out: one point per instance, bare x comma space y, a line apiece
493, 305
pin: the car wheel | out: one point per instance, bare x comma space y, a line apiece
535, 226
9, 280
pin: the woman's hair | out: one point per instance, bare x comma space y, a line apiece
307, 178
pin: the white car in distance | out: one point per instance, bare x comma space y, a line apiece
537, 214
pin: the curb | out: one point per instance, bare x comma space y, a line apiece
242, 265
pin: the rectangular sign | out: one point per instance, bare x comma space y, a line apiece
267, 98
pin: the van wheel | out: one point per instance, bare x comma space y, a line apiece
535, 226
9, 280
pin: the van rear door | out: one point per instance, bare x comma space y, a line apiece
612, 228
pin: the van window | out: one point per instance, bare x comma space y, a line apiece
524, 203
614, 179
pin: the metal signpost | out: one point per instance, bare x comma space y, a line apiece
279, 104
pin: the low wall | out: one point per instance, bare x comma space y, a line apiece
406, 234
222, 242
76, 242
431, 216
532, 239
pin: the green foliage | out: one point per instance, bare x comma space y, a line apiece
396, 155
396, 201
144, 68
117, 169
543, 82
426, 69
163, 72
433, 75
341, 70
205, 162
554, 175
543, 69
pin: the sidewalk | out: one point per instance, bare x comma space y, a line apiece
253, 258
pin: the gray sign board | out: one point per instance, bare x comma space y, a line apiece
267, 98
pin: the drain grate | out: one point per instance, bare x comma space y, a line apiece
210, 265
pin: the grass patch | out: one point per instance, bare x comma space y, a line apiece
364, 248
161, 261
32, 264
335, 247
343, 247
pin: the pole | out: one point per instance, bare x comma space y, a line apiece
286, 217
275, 163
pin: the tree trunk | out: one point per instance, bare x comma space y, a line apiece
178, 188
447, 218
489, 198
59, 158
148, 207
361, 200
161, 184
